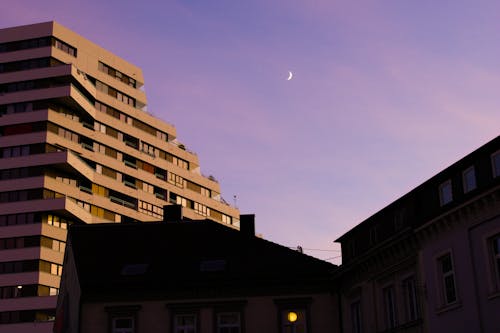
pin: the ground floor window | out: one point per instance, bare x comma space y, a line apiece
123, 319
293, 315
228, 322
122, 325
185, 323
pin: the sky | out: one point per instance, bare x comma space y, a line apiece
385, 94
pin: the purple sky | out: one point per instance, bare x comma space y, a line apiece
385, 94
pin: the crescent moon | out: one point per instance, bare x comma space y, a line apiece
290, 75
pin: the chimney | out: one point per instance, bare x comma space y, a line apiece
172, 213
247, 224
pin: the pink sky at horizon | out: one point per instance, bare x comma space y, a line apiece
384, 95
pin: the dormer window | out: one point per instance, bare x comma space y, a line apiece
495, 163
469, 179
445, 193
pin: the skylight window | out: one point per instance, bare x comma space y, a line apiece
134, 269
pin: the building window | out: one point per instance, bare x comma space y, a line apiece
161, 135
411, 299
389, 307
205, 192
31, 241
226, 219
28, 64
293, 320
495, 162
180, 162
185, 323
130, 161
27, 290
228, 322
178, 200
103, 87
293, 314
129, 181
122, 319
160, 173
150, 209
122, 325
27, 316
176, 180
25, 44
65, 47
57, 221
201, 209
16, 151
131, 141
148, 149
445, 193
469, 179
356, 317
16, 219
160, 193
117, 74
495, 256
447, 277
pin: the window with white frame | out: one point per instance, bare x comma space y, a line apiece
445, 193
185, 323
447, 276
228, 322
469, 179
122, 325
411, 299
389, 307
356, 317
122, 319
495, 163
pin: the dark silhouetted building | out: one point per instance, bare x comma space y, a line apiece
430, 261
190, 276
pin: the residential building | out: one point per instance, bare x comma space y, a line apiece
429, 262
190, 276
78, 146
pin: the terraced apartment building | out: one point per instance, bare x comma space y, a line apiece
78, 146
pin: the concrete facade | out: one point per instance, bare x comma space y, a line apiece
78, 146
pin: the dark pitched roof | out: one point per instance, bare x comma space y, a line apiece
422, 203
187, 259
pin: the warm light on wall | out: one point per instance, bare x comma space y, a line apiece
292, 316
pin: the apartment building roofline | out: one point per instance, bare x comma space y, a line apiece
431, 185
